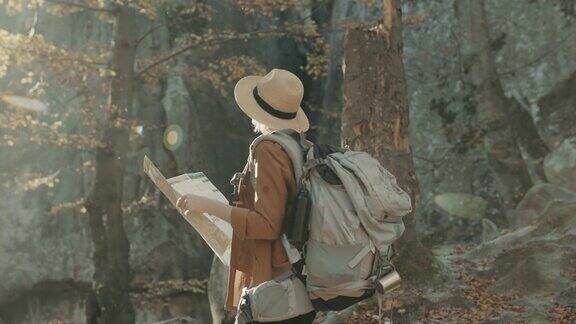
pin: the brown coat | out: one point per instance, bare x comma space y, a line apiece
257, 252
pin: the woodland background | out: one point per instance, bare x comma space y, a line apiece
471, 103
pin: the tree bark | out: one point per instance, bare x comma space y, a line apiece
375, 119
104, 203
495, 110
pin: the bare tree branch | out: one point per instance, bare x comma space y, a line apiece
266, 33
212, 41
280, 31
151, 30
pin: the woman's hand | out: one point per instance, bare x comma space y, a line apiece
191, 203
188, 203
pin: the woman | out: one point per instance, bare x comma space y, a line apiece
257, 254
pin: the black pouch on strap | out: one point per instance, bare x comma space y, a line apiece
296, 220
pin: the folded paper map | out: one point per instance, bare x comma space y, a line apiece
216, 232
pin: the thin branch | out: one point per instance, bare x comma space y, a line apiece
434, 163
165, 58
280, 31
239, 36
151, 30
82, 6
272, 32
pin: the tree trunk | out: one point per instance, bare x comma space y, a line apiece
495, 110
104, 203
376, 119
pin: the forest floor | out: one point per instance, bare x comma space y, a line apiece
523, 273
466, 296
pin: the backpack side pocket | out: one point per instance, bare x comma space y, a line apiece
279, 300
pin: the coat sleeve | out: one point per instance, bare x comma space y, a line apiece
274, 174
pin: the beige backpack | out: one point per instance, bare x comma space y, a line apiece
355, 215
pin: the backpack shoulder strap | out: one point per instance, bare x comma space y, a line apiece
294, 143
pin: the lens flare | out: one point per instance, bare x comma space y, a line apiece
173, 137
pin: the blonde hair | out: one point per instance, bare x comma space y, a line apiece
261, 128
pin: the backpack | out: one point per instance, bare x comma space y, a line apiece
355, 214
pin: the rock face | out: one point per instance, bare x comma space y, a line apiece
217, 291
443, 127
556, 116
68, 302
560, 164
489, 230
537, 257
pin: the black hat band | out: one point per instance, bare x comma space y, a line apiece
271, 110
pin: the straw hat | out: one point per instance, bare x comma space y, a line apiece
273, 100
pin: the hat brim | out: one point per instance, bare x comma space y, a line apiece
245, 100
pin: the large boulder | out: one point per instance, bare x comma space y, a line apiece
536, 257
461, 205
533, 268
453, 217
537, 201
